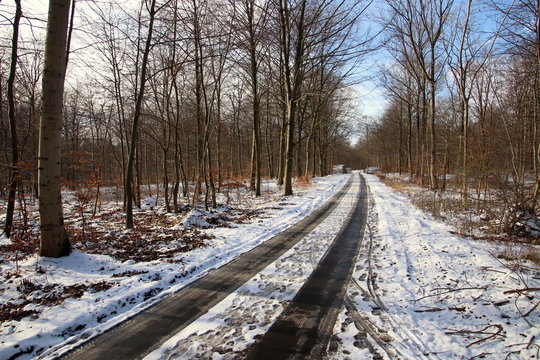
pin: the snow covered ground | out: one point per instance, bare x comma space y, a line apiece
425, 293
418, 291
87, 293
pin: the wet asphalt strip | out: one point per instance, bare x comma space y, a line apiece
304, 328
140, 335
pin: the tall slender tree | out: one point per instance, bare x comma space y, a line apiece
14, 168
54, 241
136, 117
254, 24
292, 45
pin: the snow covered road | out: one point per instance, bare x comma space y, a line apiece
305, 327
417, 290
230, 323
120, 289
229, 329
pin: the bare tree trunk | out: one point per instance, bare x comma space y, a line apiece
166, 179
180, 172
14, 169
417, 142
54, 241
409, 136
433, 183
176, 167
293, 78
309, 141
198, 99
136, 116
70, 30
211, 177
282, 132
253, 161
400, 150
289, 149
269, 139
219, 151
465, 149
298, 143
138, 176
536, 95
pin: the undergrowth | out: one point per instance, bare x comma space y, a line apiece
484, 217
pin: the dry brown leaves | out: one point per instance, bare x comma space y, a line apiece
154, 236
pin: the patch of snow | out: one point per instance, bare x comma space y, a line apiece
5, 241
529, 224
197, 218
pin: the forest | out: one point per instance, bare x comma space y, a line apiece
195, 96
200, 97
463, 103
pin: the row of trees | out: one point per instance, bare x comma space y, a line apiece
189, 94
464, 95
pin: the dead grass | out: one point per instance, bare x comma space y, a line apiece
532, 254
396, 185
303, 182
156, 235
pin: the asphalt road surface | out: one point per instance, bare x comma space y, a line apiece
304, 329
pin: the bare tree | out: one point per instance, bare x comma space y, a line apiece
136, 116
253, 19
420, 25
468, 56
14, 169
292, 20
54, 240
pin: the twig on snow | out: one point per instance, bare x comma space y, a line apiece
513, 291
448, 291
440, 309
519, 311
483, 331
531, 309
528, 345
481, 356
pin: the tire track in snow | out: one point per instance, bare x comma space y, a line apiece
229, 328
378, 330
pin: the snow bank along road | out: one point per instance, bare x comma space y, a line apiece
226, 310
